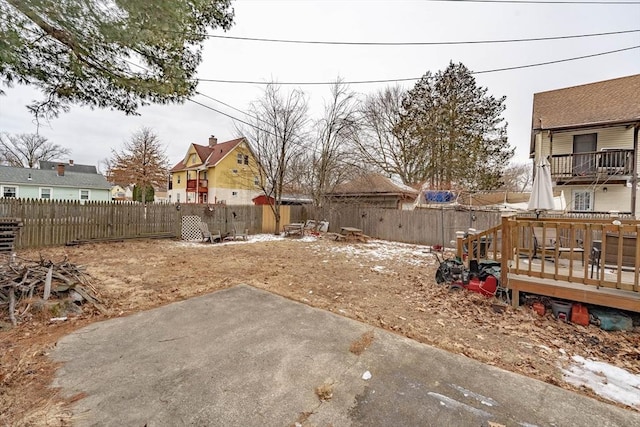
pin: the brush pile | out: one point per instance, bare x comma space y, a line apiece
55, 288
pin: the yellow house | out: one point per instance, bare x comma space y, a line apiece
218, 173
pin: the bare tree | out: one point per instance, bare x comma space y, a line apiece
25, 150
336, 131
276, 137
518, 177
142, 162
383, 144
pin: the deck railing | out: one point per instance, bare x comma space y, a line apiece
199, 185
593, 164
610, 249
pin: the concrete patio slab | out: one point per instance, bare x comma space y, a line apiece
245, 357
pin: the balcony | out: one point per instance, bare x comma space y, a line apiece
192, 185
594, 166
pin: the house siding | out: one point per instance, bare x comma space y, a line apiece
61, 193
612, 137
224, 179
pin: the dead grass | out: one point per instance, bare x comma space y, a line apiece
134, 276
358, 346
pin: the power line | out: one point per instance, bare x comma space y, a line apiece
407, 79
346, 43
231, 117
229, 106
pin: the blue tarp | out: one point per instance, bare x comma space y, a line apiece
433, 196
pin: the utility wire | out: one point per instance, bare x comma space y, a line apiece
494, 70
232, 117
230, 106
346, 43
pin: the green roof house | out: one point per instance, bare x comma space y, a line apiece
59, 183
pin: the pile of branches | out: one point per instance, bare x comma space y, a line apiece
25, 284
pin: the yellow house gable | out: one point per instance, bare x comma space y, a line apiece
236, 170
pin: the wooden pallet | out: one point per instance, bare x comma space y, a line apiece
9, 228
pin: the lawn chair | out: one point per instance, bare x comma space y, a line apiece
554, 245
239, 232
208, 236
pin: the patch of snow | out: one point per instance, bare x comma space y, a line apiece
487, 401
366, 375
385, 250
458, 406
605, 380
378, 268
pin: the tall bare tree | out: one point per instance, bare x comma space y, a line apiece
518, 177
276, 136
25, 150
383, 144
336, 132
142, 161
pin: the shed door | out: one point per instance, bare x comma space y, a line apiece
584, 164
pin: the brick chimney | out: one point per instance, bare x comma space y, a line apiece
212, 141
70, 162
60, 169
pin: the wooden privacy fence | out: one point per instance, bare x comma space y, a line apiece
421, 226
47, 223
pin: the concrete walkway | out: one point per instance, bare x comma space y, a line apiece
245, 357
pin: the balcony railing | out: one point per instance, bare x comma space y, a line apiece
193, 183
592, 165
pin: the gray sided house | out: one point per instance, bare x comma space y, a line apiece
59, 183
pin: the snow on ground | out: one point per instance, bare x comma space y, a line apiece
605, 380
374, 250
384, 250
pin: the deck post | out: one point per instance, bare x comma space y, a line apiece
505, 259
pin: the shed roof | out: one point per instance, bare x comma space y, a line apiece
373, 183
50, 178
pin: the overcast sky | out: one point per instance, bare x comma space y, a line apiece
92, 134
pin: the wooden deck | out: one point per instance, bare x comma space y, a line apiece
531, 280
562, 274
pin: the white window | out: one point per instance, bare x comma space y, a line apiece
256, 181
582, 200
239, 158
235, 171
8, 191
45, 193
85, 194
178, 197
234, 193
246, 160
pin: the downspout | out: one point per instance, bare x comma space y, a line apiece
634, 176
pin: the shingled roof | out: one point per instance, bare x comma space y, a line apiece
50, 178
211, 155
70, 167
608, 102
373, 183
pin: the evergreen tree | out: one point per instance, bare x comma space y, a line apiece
116, 54
458, 129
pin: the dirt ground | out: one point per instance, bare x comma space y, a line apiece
390, 286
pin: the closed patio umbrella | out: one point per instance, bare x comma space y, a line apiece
542, 191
